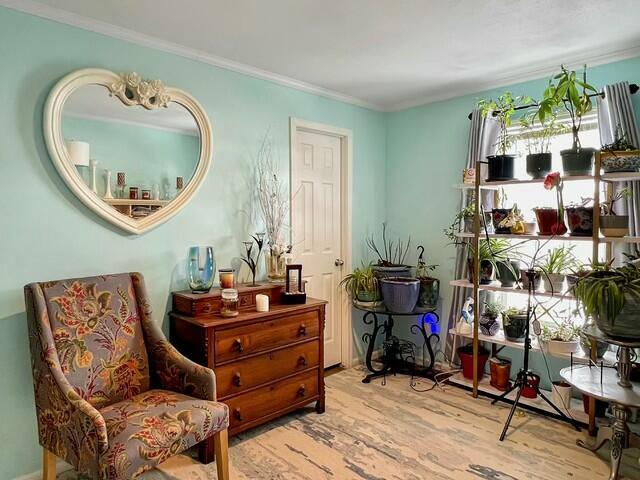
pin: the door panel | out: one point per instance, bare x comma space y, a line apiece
316, 224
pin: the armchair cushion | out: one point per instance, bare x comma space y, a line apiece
98, 337
148, 428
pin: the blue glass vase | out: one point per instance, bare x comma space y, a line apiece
202, 268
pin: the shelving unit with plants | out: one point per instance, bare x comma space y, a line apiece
492, 241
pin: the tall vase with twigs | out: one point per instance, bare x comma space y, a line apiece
273, 200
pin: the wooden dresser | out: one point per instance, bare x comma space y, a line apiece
266, 364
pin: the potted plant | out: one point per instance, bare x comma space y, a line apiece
560, 338
400, 294
490, 252
538, 139
572, 92
508, 272
611, 296
465, 353
501, 165
555, 265
612, 225
551, 220
513, 223
580, 218
488, 323
429, 286
514, 323
561, 395
576, 273
362, 284
391, 255
537, 279
621, 155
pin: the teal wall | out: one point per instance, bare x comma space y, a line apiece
147, 155
426, 152
47, 234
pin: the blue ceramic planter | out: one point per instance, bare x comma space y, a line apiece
400, 294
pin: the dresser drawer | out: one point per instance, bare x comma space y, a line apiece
237, 342
243, 374
259, 403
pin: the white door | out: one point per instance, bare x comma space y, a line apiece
315, 214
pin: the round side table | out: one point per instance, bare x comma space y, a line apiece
615, 387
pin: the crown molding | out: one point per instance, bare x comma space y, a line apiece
96, 26
522, 75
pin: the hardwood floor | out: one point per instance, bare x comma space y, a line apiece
376, 432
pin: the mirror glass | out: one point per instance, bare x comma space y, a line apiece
136, 160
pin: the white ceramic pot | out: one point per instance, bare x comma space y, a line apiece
553, 282
560, 349
561, 395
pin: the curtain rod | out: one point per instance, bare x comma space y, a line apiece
633, 89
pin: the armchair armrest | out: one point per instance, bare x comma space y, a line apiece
169, 368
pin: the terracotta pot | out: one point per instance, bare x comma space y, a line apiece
548, 222
580, 221
466, 359
530, 389
500, 373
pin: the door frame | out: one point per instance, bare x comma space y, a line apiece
346, 192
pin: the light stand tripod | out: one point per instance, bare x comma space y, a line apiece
524, 374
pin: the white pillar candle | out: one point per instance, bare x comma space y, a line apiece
262, 303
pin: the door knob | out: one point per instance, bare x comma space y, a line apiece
339, 262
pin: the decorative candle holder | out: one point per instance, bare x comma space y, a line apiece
107, 185
294, 286
146, 194
93, 164
251, 262
229, 306
227, 277
201, 269
121, 180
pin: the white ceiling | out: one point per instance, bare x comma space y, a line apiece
385, 54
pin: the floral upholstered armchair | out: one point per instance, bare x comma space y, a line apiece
113, 397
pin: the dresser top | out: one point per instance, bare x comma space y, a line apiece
215, 292
275, 309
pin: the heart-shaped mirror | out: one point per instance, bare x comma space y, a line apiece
133, 151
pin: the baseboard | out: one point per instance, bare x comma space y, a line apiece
61, 466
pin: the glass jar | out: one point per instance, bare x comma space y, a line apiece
133, 193
201, 269
227, 278
229, 306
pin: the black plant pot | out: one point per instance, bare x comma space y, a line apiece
497, 215
508, 276
501, 167
577, 162
538, 164
516, 328
486, 271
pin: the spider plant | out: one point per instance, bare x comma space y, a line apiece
560, 260
361, 283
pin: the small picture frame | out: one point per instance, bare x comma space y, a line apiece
294, 285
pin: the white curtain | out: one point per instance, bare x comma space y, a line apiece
483, 135
616, 110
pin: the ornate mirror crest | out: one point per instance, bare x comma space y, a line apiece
96, 88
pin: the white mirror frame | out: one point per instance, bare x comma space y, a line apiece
148, 94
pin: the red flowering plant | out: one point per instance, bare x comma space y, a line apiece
551, 181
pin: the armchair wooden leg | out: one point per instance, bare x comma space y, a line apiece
221, 440
48, 465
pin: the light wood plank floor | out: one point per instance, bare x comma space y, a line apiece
376, 432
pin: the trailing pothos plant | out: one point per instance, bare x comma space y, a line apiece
503, 108
572, 92
603, 291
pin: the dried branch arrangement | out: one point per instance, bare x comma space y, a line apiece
273, 197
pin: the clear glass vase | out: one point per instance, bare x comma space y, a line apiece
275, 265
201, 269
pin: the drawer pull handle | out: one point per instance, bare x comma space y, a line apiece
236, 380
302, 361
237, 344
238, 415
302, 331
301, 390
